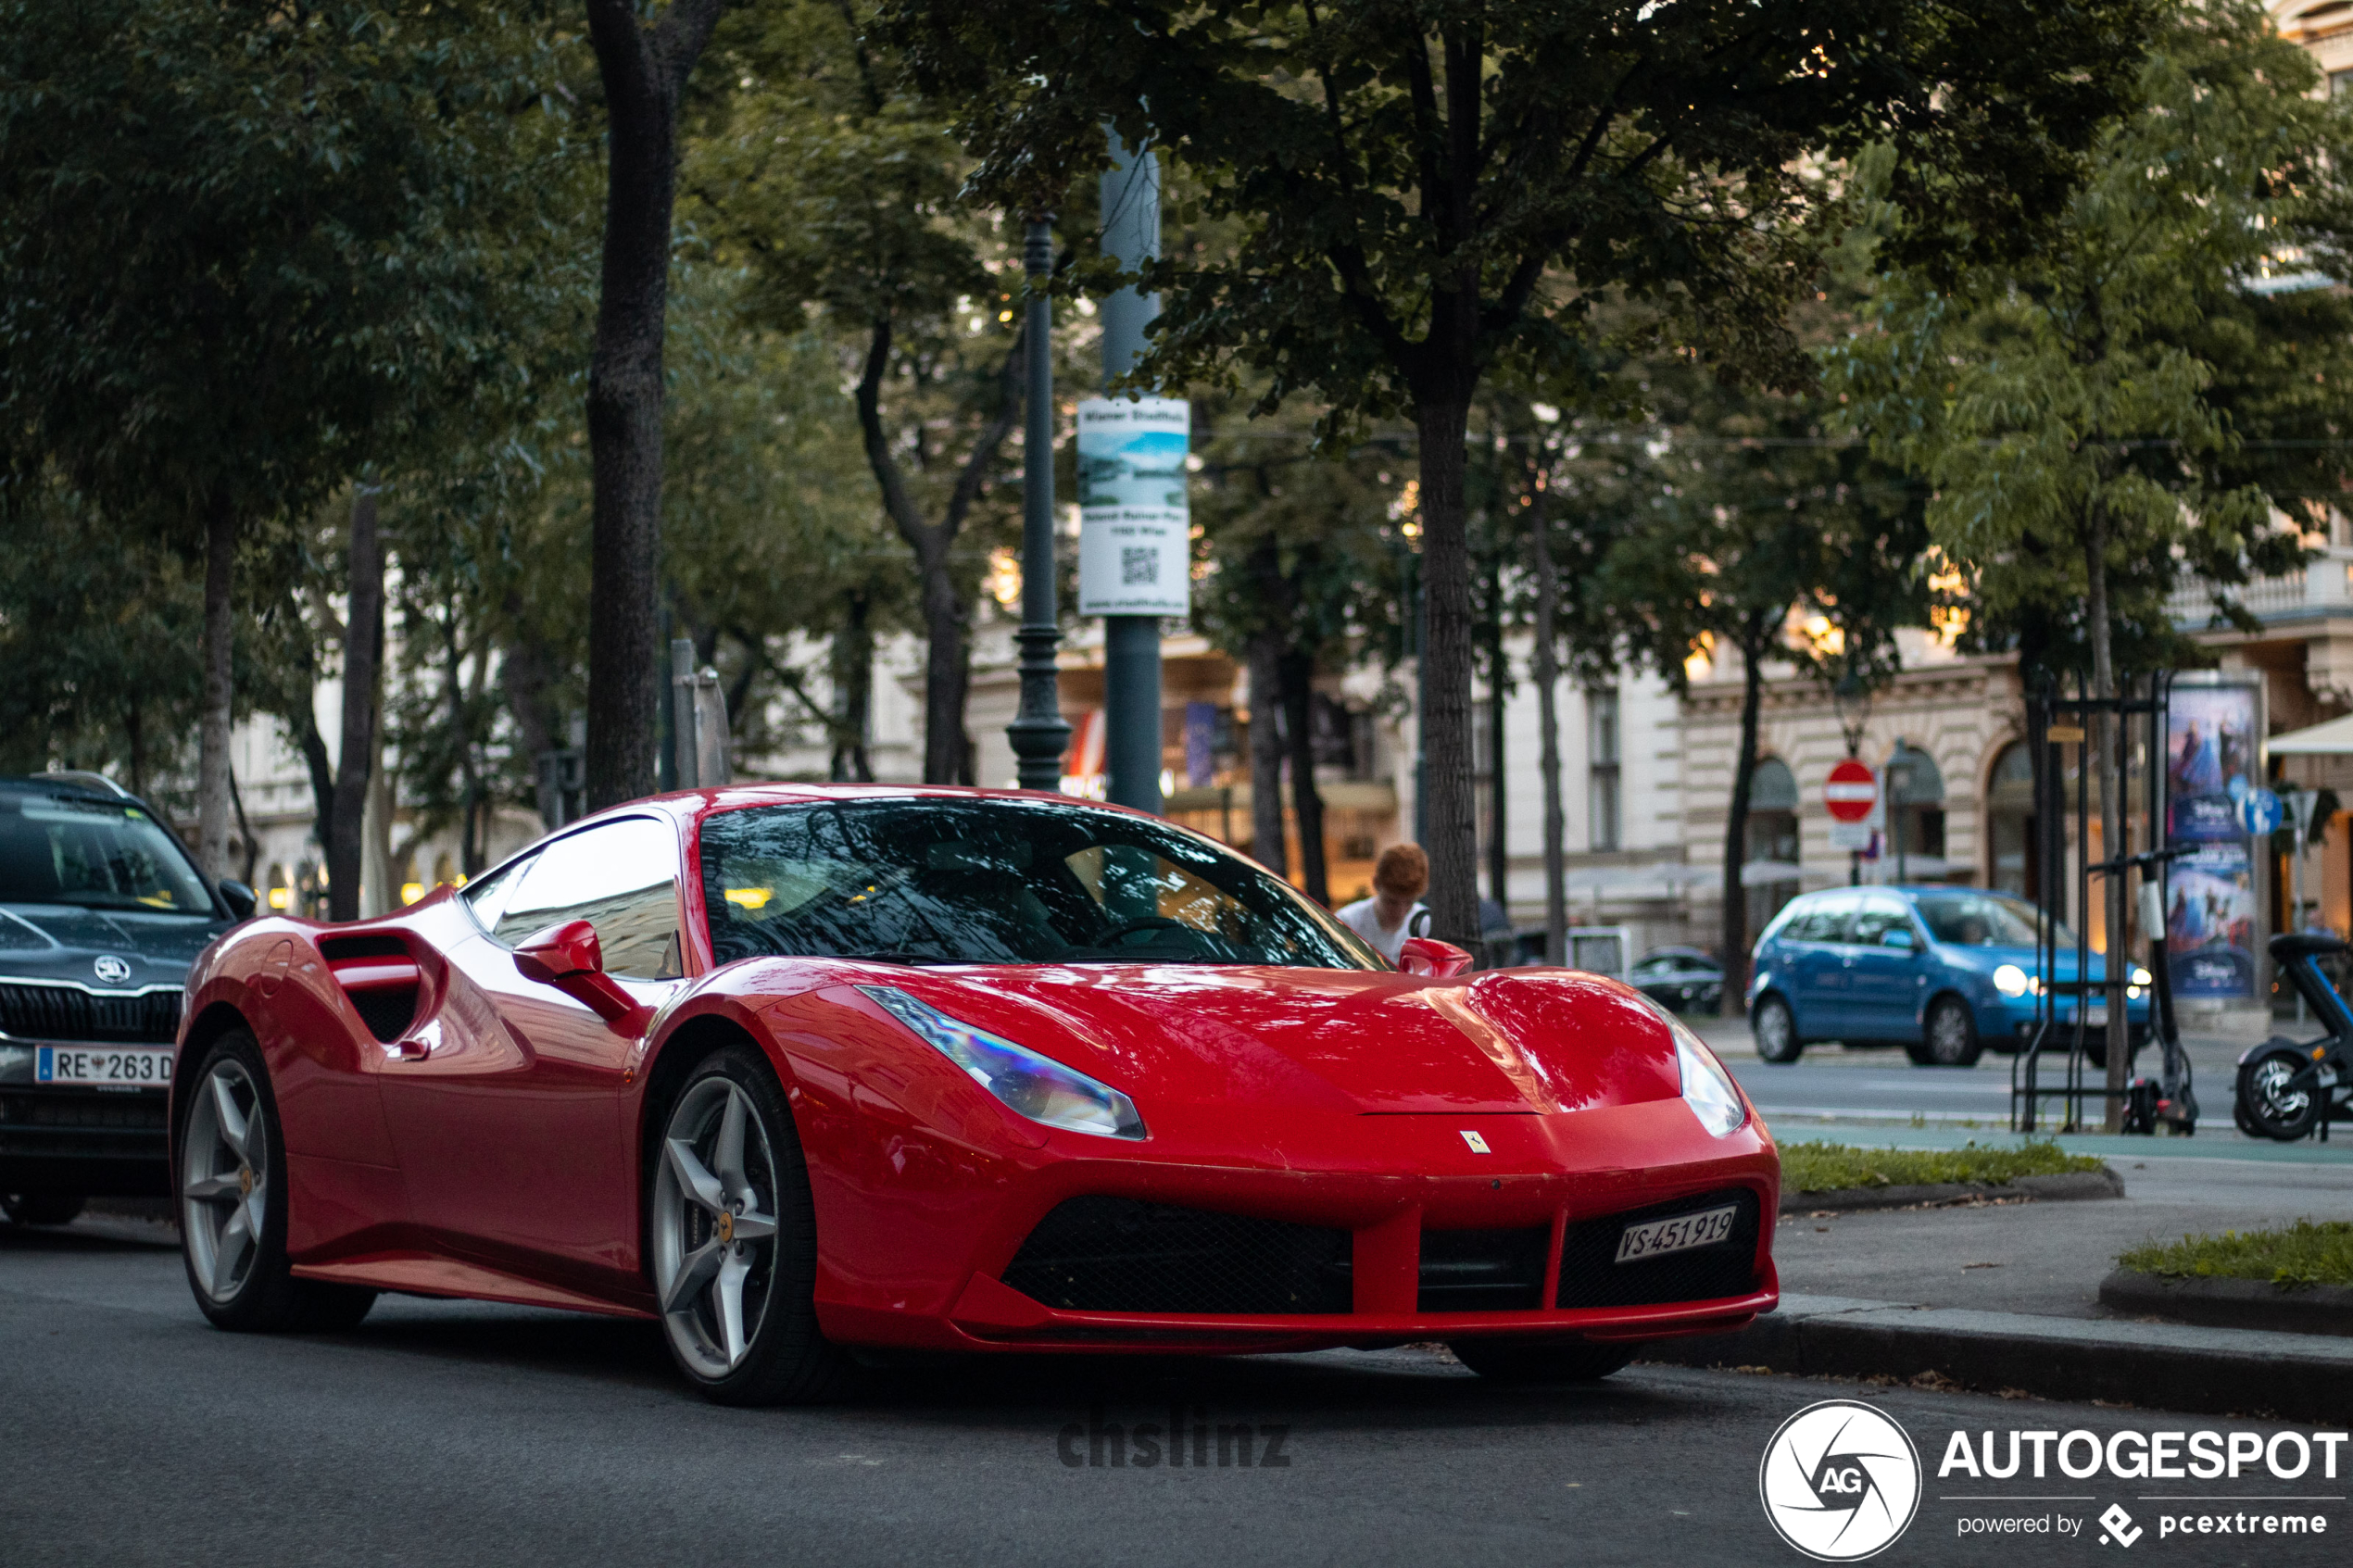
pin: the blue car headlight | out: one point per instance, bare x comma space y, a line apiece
1034, 1085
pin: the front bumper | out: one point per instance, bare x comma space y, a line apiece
1384, 1182
91, 1141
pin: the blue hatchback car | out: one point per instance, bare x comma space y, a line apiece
1942, 972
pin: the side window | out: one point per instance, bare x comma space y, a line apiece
489, 895
1876, 919
1826, 921
621, 878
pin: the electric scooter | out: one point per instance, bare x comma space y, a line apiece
2169, 1098
2285, 1090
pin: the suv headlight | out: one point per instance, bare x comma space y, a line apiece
1707, 1088
2010, 980
1037, 1087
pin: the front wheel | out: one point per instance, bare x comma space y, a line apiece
734, 1241
1775, 1029
232, 1204
1948, 1036
1571, 1361
2270, 1105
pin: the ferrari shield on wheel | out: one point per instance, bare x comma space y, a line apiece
733, 1245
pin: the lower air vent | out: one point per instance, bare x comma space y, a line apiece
1483, 1270
380, 977
1591, 1275
1099, 1254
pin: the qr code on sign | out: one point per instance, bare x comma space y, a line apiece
1138, 563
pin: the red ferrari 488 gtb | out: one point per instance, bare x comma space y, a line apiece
812, 1073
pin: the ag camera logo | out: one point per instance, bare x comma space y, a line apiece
1839, 1481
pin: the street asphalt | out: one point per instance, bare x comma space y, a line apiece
450, 1433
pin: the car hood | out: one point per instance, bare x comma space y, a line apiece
1511, 1040
62, 942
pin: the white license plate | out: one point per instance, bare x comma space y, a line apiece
136, 1066
2095, 1018
1678, 1235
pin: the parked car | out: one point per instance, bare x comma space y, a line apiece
1943, 972
1683, 978
102, 910
792, 1069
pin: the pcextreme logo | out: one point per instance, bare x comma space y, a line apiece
1839, 1481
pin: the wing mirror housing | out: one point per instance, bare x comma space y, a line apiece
240, 898
568, 958
1898, 938
1432, 958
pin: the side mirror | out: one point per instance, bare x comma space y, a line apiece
1896, 936
1432, 958
568, 958
240, 898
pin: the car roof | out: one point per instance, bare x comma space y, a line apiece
1676, 953
86, 786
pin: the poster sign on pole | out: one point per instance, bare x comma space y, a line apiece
2212, 768
1134, 526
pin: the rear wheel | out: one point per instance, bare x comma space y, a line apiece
232, 1204
1948, 1036
2270, 1105
734, 1241
1569, 1360
42, 1208
1775, 1029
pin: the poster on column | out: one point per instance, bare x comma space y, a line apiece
2212, 761
1134, 525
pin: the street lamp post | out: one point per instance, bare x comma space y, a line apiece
1038, 733
1132, 642
1852, 699
1899, 783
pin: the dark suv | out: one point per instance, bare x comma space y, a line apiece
102, 910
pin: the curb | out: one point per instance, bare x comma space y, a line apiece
2163, 1366
2071, 1186
2231, 1303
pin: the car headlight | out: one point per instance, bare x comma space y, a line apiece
1036, 1086
1707, 1088
2141, 977
2010, 980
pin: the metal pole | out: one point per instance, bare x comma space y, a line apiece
1130, 193
1037, 733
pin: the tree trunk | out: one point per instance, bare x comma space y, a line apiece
1734, 955
1297, 672
2105, 733
1547, 671
945, 660
248, 851
213, 805
1267, 845
134, 730
643, 71
363, 641
1451, 815
854, 691
1499, 848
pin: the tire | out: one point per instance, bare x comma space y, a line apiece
42, 1208
232, 1203
736, 1285
1561, 1361
1948, 1036
1774, 1027
2265, 1107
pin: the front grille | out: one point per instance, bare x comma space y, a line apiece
1102, 1254
1591, 1276
143, 1113
1483, 1270
58, 1013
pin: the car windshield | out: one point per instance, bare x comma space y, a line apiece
998, 882
1985, 919
98, 854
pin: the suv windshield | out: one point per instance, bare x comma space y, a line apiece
1985, 919
998, 882
98, 854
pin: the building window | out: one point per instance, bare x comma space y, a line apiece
2340, 82
1601, 759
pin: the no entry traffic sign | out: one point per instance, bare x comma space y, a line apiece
1852, 791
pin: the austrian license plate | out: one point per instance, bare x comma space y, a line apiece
2095, 1017
1677, 1235
134, 1066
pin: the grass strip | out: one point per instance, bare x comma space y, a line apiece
2304, 1253
1836, 1167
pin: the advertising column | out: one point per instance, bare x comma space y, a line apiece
2212, 763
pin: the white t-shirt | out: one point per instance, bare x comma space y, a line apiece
1360, 917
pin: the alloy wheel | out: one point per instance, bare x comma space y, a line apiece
714, 1227
2275, 1103
1948, 1036
224, 1184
